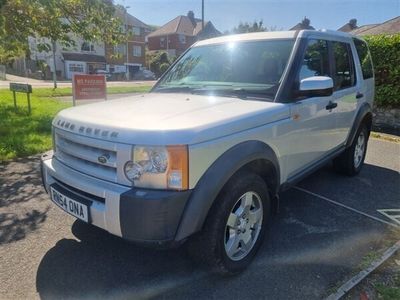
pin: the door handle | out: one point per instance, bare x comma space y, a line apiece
359, 95
331, 105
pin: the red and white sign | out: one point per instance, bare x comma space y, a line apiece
86, 87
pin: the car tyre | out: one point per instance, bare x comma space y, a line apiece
235, 226
350, 162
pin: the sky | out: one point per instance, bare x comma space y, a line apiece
282, 14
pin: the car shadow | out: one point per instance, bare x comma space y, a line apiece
372, 189
310, 246
23, 201
99, 265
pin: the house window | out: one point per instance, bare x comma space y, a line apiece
87, 47
76, 68
162, 42
136, 31
137, 51
182, 39
120, 49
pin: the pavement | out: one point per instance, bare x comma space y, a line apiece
48, 83
327, 224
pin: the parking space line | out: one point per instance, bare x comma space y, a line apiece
345, 206
391, 214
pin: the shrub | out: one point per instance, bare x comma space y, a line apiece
159, 62
385, 51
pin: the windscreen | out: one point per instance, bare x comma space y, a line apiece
248, 68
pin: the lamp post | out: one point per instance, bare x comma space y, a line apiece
127, 42
202, 15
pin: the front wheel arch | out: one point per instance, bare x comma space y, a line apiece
251, 156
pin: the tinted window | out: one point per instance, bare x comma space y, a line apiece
344, 66
365, 58
316, 60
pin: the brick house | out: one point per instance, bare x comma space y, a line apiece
304, 24
179, 34
351, 25
391, 26
125, 61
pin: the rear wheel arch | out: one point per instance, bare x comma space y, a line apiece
253, 156
367, 120
363, 117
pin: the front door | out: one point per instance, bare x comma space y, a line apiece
346, 89
313, 122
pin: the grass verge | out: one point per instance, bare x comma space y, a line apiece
67, 91
22, 134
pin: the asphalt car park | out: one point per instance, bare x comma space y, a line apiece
325, 227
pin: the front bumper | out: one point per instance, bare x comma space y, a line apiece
141, 215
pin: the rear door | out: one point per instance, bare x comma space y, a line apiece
347, 89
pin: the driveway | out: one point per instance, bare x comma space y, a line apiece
326, 225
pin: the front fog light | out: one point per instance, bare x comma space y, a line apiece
175, 179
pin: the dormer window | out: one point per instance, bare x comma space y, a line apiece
87, 47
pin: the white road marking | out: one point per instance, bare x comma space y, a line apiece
393, 214
345, 206
345, 288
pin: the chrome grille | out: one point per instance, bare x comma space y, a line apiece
82, 154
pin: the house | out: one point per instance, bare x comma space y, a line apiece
179, 34
128, 58
351, 25
83, 57
304, 24
87, 57
391, 26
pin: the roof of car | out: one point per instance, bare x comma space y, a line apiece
272, 35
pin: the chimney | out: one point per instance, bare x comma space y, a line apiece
190, 15
353, 23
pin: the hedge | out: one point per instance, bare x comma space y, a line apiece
385, 51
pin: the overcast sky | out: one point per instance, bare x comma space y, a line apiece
225, 14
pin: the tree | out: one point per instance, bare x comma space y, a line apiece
247, 27
58, 21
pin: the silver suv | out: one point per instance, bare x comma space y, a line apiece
203, 157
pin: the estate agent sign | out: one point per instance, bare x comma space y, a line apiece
87, 87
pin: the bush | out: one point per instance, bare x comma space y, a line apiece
164, 67
385, 51
159, 62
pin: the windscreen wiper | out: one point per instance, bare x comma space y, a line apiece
239, 92
174, 89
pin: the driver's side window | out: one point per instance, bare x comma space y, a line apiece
316, 60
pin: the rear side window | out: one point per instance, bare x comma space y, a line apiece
316, 60
344, 75
365, 58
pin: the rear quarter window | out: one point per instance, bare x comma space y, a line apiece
365, 58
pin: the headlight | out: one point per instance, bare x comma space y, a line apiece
159, 167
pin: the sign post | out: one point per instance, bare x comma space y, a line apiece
88, 87
21, 88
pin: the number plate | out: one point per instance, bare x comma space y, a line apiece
72, 207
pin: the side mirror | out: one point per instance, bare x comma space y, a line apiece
316, 86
